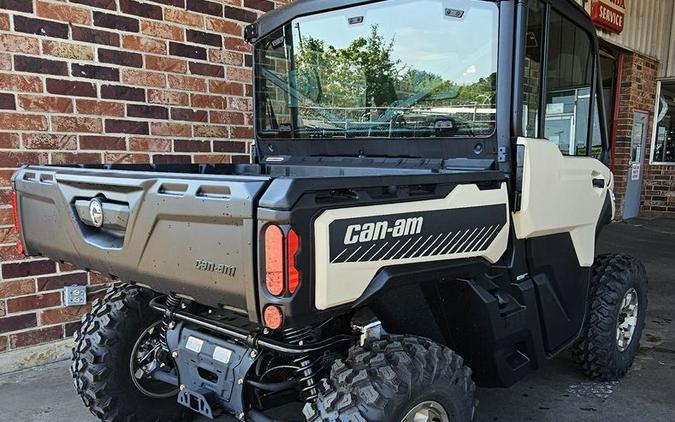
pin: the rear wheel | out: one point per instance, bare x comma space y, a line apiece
116, 339
617, 317
396, 379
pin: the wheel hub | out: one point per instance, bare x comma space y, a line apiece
627, 319
145, 358
428, 411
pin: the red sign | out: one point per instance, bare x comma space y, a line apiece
609, 14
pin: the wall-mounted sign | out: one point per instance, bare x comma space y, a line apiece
609, 14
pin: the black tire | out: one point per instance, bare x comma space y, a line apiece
387, 378
101, 360
598, 352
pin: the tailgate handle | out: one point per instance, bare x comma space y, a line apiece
115, 215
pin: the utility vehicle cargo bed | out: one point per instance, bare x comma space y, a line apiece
155, 228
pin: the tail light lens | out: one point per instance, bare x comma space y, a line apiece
281, 273
274, 260
17, 224
273, 317
293, 242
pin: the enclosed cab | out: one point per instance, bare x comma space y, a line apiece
429, 181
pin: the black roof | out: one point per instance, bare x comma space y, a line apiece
282, 15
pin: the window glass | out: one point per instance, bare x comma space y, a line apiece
401, 69
532, 74
664, 147
596, 137
569, 76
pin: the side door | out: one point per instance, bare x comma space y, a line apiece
564, 189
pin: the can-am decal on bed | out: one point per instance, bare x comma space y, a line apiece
405, 236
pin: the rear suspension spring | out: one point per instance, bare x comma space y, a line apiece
173, 302
308, 366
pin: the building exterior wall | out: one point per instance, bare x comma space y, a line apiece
111, 81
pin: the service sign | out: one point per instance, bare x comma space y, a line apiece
609, 14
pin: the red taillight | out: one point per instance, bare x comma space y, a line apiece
274, 260
293, 242
17, 225
281, 273
273, 316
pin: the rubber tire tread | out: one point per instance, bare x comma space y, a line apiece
102, 349
596, 352
384, 379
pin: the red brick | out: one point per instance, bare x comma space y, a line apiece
13, 121
18, 5
171, 129
17, 322
38, 65
125, 158
71, 328
40, 27
3, 344
166, 64
38, 301
208, 101
262, 5
95, 36
240, 132
239, 74
156, 96
9, 140
60, 281
191, 146
223, 26
205, 7
27, 269
21, 83
143, 78
226, 117
5, 62
122, 58
96, 72
144, 10
16, 288
64, 13
8, 235
61, 315
9, 253
121, 92
187, 114
229, 146
4, 22
116, 21
102, 143
76, 124
11, 43
33, 337
184, 17
213, 158
100, 108
206, 38
147, 111
187, 50
240, 104
46, 104
162, 30
145, 44
188, 83
49, 141
212, 70
71, 88
75, 158
126, 126
7, 101
225, 87
102, 4
150, 144
171, 159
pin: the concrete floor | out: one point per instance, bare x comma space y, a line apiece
558, 392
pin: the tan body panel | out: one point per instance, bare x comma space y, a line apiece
558, 196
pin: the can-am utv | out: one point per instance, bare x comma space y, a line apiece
425, 197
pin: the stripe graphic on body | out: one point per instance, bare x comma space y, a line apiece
409, 236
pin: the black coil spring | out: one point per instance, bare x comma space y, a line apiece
172, 303
308, 367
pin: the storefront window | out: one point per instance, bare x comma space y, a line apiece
664, 142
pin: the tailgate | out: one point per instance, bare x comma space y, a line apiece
186, 233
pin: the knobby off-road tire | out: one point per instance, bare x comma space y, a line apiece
598, 351
101, 360
386, 379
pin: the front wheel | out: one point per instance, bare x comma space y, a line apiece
396, 379
617, 317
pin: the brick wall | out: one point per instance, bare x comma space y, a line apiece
638, 92
111, 81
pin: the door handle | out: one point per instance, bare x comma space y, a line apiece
599, 183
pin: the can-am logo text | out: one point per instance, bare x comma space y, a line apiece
369, 232
212, 267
